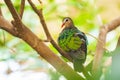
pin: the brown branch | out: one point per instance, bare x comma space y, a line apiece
22, 8
112, 25
37, 44
3, 31
18, 23
0, 12
4, 24
45, 52
99, 48
49, 37
39, 13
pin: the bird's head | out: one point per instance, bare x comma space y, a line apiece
67, 22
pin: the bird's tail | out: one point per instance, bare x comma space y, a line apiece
78, 66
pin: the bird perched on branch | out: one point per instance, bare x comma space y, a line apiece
74, 42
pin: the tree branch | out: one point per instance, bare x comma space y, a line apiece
47, 54
4, 24
37, 44
49, 37
17, 23
22, 8
0, 12
104, 29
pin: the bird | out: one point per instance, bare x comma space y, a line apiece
74, 42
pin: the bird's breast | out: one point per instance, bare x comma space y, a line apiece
68, 42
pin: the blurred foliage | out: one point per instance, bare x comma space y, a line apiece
115, 68
54, 75
84, 14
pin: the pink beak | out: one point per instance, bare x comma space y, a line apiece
62, 25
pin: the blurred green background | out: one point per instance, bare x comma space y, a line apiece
19, 61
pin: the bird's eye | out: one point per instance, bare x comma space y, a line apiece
66, 20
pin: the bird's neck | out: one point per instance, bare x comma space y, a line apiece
69, 26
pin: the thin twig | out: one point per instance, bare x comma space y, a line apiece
97, 40
0, 12
39, 13
40, 1
49, 38
22, 8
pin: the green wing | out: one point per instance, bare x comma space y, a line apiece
68, 41
75, 43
